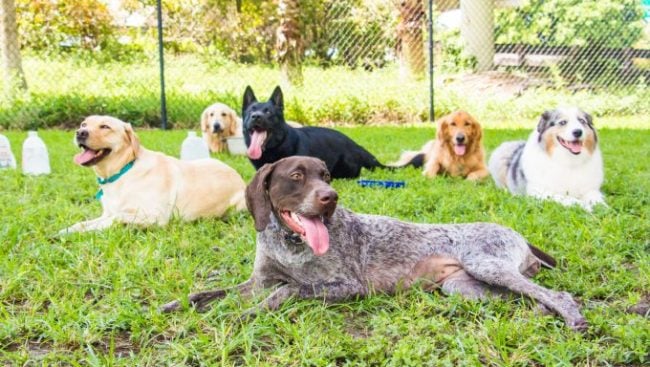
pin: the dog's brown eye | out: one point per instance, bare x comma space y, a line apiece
296, 176
223, 114
104, 127
467, 124
453, 124
326, 177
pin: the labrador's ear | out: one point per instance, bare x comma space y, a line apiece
132, 139
257, 197
249, 98
276, 98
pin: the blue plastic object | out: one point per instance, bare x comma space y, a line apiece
382, 184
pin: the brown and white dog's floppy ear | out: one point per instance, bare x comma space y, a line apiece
257, 197
544, 123
132, 139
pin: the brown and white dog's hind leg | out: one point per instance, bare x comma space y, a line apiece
501, 273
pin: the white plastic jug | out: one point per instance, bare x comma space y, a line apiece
194, 147
35, 158
7, 159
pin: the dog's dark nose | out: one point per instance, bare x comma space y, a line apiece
577, 133
216, 127
82, 134
326, 197
256, 115
460, 138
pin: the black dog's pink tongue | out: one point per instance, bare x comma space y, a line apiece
316, 233
84, 156
255, 149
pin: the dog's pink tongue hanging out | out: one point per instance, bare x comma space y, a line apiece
257, 140
316, 234
459, 149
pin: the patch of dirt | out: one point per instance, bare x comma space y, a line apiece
496, 84
642, 308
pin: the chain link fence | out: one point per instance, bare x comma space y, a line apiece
338, 61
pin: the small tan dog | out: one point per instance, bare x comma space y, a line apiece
220, 122
144, 187
457, 149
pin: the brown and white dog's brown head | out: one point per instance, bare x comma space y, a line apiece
567, 129
296, 191
460, 133
219, 122
106, 143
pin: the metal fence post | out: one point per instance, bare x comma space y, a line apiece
431, 114
161, 58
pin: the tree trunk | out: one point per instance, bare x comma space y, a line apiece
411, 37
12, 70
289, 44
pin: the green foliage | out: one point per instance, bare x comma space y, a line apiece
93, 298
602, 23
594, 24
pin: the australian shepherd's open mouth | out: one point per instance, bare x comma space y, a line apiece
258, 137
89, 157
311, 229
574, 146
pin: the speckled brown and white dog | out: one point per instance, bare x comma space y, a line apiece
560, 161
307, 247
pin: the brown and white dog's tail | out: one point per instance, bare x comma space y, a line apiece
547, 260
409, 158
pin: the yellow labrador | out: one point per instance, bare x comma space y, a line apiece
219, 122
144, 187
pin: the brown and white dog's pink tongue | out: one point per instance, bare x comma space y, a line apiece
257, 140
316, 234
459, 149
84, 157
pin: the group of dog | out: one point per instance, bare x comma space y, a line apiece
307, 246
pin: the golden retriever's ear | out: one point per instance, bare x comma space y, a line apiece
477, 130
257, 197
132, 139
204, 121
233, 123
442, 128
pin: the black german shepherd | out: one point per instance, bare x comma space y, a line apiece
269, 139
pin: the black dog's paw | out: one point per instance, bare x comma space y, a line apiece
170, 307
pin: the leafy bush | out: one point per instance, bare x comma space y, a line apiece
594, 24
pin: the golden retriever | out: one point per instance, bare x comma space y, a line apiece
220, 122
144, 187
456, 151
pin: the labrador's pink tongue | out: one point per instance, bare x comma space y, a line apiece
84, 156
317, 236
459, 149
255, 149
575, 146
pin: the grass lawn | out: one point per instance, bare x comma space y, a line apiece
91, 299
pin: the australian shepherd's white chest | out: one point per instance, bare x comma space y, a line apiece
560, 160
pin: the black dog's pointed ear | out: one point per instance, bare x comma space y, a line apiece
249, 98
276, 98
257, 197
